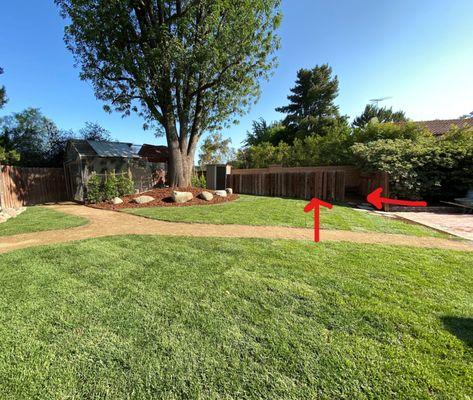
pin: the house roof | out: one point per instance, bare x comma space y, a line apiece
439, 127
105, 149
158, 153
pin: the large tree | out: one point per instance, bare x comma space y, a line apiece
382, 114
312, 110
186, 66
31, 139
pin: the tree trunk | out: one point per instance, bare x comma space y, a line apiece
181, 164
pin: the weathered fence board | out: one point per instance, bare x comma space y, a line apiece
28, 186
325, 183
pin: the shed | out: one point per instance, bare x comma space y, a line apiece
86, 156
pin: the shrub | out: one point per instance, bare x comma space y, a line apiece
378, 131
94, 189
198, 181
430, 168
125, 185
110, 189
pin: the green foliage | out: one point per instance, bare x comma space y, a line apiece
125, 185
331, 149
186, 67
215, 150
261, 132
31, 139
100, 189
110, 188
199, 181
265, 154
312, 110
380, 114
94, 189
422, 167
375, 130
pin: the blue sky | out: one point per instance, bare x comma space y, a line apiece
419, 52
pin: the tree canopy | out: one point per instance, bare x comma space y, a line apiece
215, 149
185, 66
94, 131
382, 114
311, 109
262, 132
35, 138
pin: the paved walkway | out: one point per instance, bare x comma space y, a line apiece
108, 223
455, 224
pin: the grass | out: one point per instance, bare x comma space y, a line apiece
158, 317
38, 219
253, 210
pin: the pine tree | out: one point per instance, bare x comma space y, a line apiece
312, 110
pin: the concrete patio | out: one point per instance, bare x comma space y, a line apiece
456, 224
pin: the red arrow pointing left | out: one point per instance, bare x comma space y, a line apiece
315, 205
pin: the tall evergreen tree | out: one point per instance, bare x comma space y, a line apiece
186, 66
312, 110
382, 114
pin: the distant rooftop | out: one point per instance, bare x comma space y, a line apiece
439, 127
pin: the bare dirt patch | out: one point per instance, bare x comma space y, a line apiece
162, 198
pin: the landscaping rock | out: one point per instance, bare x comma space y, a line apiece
143, 199
181, 197
117, 200
221, 193
207, 196
229, 191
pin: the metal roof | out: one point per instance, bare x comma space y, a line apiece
93, 148
113, 149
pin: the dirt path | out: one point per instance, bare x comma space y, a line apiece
108, 223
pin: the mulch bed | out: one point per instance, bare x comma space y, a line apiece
162, 198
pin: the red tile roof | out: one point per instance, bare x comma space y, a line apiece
440, 126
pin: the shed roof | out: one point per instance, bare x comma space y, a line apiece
105, 149
113, 149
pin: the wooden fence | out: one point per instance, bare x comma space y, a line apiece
325, 183
29, 186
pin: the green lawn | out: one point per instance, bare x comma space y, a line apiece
253, 210
37, 219
159, 317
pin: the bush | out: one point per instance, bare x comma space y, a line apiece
378, 131
198, 181
429, 168
110, 189
125, 185
94, 190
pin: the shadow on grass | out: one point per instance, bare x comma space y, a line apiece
461, 327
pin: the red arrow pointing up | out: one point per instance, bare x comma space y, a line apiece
315, 205
375, 198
